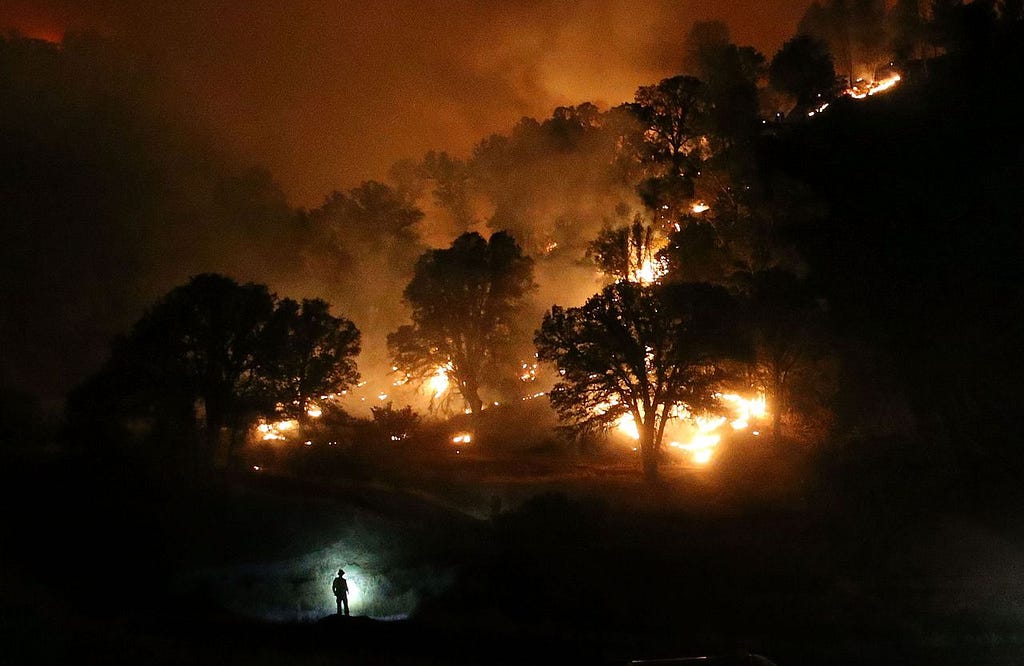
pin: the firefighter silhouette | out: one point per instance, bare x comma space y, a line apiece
340, 588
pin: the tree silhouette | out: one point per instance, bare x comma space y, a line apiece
670, 112
730, 74
205, 336
309, 352
638, 350
623, 253
465, 301
218, 353
803, 68
786, 322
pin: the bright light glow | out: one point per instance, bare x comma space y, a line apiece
708, 428
627, 426
745, 409
699, 435
439, 382
270, 432
703, 443
462, 438
314, 411
699, 207
706, 424
649, 272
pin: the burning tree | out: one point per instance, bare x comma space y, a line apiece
626, 253
647, 351
465, 303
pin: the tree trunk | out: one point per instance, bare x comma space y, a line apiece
648, 451
778, 399
471, 393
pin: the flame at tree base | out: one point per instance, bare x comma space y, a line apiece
699, 436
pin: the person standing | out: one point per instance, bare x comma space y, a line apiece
340, 588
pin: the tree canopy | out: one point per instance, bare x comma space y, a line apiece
218, 353
465, 301
643, 350
803, 68
309, 352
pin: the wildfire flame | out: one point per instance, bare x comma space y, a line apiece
862, 89
439, 382
270, 432
649, 272
627, 426
705, 432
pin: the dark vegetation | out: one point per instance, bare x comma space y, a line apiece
869, 261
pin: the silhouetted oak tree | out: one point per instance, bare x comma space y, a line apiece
205, 337
465, 302
803, 68
671, 111
225, 351
672, 115
309, 352
639, 350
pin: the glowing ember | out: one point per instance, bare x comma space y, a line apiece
314, 411
821, 107
462, 438
699, 207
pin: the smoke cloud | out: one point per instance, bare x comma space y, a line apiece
327, 94
128, 154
